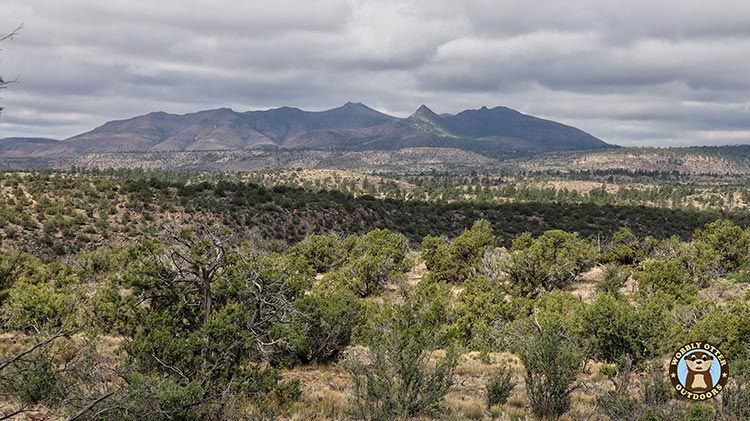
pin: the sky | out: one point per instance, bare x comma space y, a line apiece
638, 72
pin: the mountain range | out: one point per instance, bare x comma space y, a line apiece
353, 126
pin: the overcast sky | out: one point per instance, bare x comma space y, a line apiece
640, 72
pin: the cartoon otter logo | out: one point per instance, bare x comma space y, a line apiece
698, 371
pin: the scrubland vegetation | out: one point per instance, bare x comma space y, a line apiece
663, 189
164, 296
53, 214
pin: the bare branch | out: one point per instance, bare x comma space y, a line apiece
17, 357
89, 406
9, 415
11, 34
173, 368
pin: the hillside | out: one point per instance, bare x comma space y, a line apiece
353, 126
114, 298
53, 213
729, 160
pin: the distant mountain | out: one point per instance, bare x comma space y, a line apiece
485, 130
353, 126
533, 132
23, 147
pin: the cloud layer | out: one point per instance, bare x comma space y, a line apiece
667, 72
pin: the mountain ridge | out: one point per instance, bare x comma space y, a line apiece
352, 126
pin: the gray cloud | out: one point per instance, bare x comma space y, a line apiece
636, 72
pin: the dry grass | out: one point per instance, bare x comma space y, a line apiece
327, 389
585, 286
327, 392
723, 290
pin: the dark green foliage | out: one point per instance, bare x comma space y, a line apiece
148, 396
727, 326
457, 260
115, 203
615, 330
558, 310
395, 380
322, 251
499, 388
624, 248
613, 279
551, 361
39, 297
215, 312
667, 276
548, 262
111, 311
702, 262
12, 267
39, 308
728, 240
34, 379
481, 304
201, 322
374, 259
700, 411
327, 318
152, 397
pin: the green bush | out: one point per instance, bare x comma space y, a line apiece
34, 379
702, 262
700, 411
288, 269
624, 248
729, 240
499, 388
615, 330
396, 379
727, 326
457, 260
551, 261
668, 276
551, 361
327, 317
379, 242
375, 259
215, 314
17, 266
152, 397
613, 279
481, 304
558, 310
39, 307
323, 252
111, 309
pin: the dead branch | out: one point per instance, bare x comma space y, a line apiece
89, 406
17, 357
11, 34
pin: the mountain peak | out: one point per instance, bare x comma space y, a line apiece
425, 120
424, 112
216, 111
355, 106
